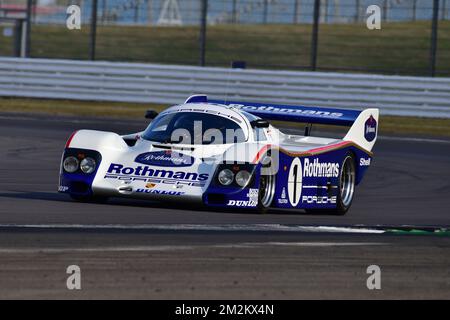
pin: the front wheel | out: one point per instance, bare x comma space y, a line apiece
266, 192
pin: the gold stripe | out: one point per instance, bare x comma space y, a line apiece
307, 153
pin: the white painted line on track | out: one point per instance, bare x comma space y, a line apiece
304, 244
96, 249
159, 248
199, 227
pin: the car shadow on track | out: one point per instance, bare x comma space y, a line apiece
59, 197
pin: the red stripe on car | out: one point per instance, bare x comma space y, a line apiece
260, 153
307, 152
70, 139
337, 145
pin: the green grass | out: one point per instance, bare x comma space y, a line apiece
77, 108
400, 47
389, 125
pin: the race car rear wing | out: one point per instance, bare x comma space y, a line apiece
339, 117
364, 124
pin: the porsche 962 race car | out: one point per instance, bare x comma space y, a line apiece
225, 154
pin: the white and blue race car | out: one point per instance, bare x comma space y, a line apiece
225, 154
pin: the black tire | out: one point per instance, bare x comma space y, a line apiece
346, 188
266, 190
347, 178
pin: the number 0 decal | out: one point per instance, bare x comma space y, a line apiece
295, 182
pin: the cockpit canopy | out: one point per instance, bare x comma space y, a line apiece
191, 127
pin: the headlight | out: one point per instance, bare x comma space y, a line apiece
87, 165
242, 178
226, 177
70, 164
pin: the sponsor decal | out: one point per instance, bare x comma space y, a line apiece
295, 182
252, 201
63, 188
150, 185
253, 194
165, 159
370, 129
309, 111
146, 171
319, 199
162, 192
283, 199
364, 162
242, 203
175, 183
320, 169
155, 176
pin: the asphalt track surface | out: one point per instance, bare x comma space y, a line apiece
138, 249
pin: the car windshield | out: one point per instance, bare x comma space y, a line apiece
193, 128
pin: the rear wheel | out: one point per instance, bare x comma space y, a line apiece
346, 188
346, 185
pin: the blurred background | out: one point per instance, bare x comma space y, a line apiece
263, 34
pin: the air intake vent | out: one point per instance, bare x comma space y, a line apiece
161, 146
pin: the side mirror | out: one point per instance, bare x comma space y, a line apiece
260, 123
150, 114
